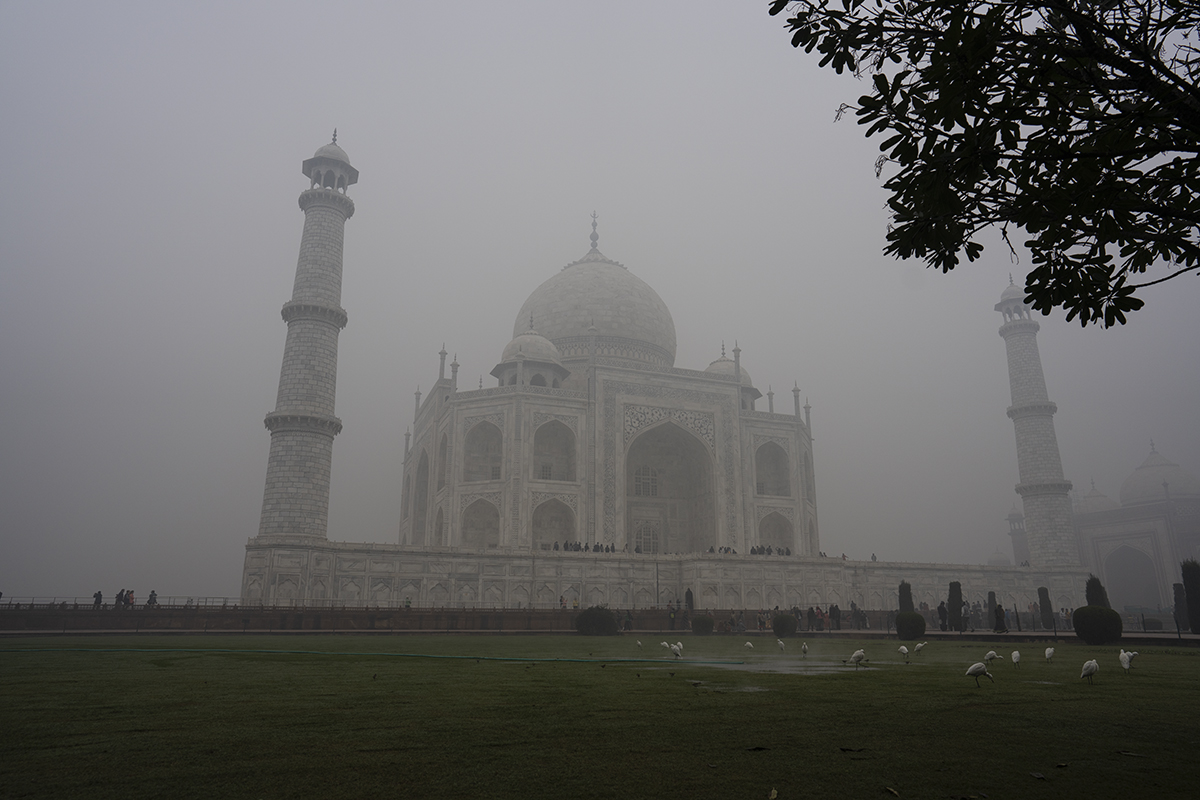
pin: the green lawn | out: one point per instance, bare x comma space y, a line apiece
138, 716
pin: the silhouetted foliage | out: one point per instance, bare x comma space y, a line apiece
784, 625
1191, 587
1076, 121
702, 625
1181, 609
1097, 624
596, 621
1094, 591
1044, 607
906, 601
954, 606
910, 625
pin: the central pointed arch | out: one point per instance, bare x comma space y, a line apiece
421, 500
670, 491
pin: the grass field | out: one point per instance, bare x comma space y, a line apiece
342, 716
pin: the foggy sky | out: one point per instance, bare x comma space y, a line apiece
149, 232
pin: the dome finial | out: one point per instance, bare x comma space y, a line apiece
530, 320
722, 348
1010, 280
595, 236
1152, 450
335, 135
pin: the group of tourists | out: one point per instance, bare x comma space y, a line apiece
125, 599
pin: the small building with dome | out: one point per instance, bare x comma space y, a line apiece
1136, 545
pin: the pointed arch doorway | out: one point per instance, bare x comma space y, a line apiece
669, 492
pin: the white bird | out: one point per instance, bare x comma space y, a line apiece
677, 650
992, 655
977, 669
1132, 653
917, 649
1090, 668
780, 641
639, 645
1049, 654
749, 645
1124, 658
664, 644
904, 652
856, 658
1016, 659
804, 649
679, 645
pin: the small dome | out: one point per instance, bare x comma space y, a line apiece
332, 151
534, 347
1012, 292
1095, 501
1145, 485
725, 366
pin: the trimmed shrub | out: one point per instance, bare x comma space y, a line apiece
1045, 608
596, 621
1093, 590
954, 606
1097, 625
910, 625
703, 625
906, 601
1191, 587
783, 625
1181, 610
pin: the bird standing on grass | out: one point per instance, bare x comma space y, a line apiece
917, 649
1090, 668
1016, 659
856, 658
804, 649
780, 641
1125, 660
976, 670
991, 656
1049, 654
639, 645
749, 645
677, 650
904, 652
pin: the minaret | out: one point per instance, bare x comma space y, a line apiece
302, 426
1044, 492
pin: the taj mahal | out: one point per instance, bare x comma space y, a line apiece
597, 471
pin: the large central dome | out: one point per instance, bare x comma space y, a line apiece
632, 322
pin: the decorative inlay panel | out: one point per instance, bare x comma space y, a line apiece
495, 498
782, 441
572, 501
541, 417
787, 512
699, 422
496, 419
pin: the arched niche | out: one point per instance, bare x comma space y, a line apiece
483, 453
669, 487
421, 500
553, 452
537, 380
775, 530
553, 521
439, 529
481, 525
1131, 579
442, 458
772, 474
